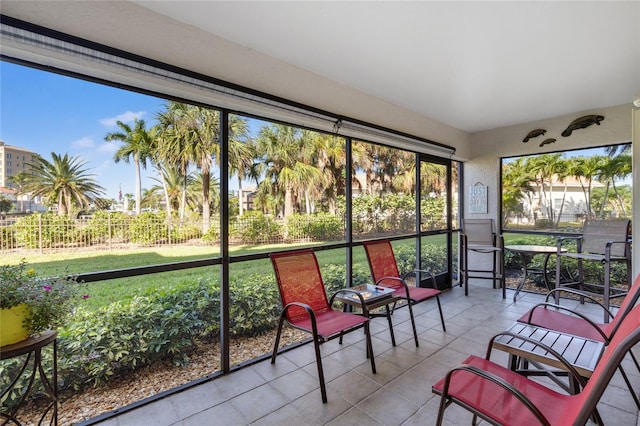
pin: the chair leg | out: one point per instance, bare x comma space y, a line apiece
275, 346
413, 322
495, 277
393, 337
629, 385
607, 289
441, 316
465, 273
323, 389
443, 406
370, 347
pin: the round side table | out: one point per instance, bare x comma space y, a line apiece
32, 348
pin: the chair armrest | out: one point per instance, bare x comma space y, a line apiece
577, 292
570, 368
312, 315
498, 381
563, 239
578, 314
417, 273
607, 248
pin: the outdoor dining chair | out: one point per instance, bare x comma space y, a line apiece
384, 271
559, 318
306, 307
602, 241
502, 396
479, 236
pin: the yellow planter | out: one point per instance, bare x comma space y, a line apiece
12, 329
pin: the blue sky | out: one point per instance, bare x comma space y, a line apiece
46, 112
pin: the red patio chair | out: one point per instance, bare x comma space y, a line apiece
501, 396
384, 270
305, 306
559, 318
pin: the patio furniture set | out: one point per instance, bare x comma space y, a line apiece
550, 340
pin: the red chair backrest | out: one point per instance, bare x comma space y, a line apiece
627, 336
382, 262
299, 280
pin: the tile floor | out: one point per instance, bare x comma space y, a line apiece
288, 392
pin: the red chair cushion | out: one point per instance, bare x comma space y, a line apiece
496, 403
330, 323
418, 294
564, 323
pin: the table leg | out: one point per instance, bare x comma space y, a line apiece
544, 271
525, 261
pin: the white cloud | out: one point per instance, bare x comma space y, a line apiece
109, 147
83, 143
125, 117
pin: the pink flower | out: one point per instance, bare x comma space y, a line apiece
85, 296
47, 288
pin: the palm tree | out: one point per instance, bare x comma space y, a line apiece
287, 171
331, 159
516, 184
613, 168
587, 169
65, 180
171, 184
19, 180
195, 138
137, 142
545, 167
242, 153
612, 150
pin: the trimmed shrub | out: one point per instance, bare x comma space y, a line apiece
49, 229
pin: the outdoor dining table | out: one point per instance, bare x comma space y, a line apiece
527, 252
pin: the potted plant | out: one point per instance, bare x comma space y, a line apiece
30, 305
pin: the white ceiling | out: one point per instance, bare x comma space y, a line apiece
471, 65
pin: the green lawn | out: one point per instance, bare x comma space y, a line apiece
124, 289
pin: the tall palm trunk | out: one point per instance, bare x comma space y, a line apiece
240, 198
138, 185
206, 205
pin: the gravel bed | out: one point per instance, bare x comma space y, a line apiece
76, 407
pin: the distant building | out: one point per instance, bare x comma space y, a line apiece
564, 197
14, 160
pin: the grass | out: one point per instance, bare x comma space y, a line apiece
103, 293
124, 289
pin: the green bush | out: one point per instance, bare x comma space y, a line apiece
149, 228
109, 225
315, 227
165, 324
49, 229
254, 227
212, 235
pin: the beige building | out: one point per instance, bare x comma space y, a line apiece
13, 160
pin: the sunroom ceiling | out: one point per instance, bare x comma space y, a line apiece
471, 65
